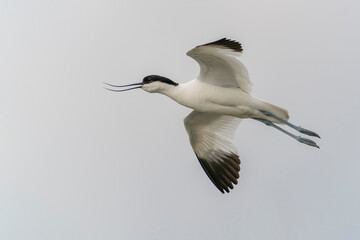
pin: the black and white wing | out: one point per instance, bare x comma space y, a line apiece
219, 65
211, 138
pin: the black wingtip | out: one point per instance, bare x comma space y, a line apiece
224, 173
227, 43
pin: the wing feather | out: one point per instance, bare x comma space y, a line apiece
211, 138
219, 65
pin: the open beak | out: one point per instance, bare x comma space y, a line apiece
139, 85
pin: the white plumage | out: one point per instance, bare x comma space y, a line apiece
211, 137
219, 66
220, 97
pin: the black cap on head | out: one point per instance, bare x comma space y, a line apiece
154, 78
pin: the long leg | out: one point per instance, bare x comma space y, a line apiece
298, 138
297, 128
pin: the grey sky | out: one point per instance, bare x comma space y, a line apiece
79, 162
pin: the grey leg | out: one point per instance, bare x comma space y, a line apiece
298, 138
297, 128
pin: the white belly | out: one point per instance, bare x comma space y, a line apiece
204, 97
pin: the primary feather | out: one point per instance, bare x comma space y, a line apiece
211, 138
219, 65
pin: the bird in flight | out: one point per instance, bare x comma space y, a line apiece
220, 97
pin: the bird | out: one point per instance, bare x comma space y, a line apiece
220, 97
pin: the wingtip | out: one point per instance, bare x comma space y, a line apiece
226, 43
223, 174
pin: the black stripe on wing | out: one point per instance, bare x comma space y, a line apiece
223, 173
228, 43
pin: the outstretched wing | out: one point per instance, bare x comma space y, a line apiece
211, 138
219, 65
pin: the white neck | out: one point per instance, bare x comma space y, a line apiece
182, 93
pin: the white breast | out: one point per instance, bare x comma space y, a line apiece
204, 97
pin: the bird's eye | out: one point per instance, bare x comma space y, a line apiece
147, 80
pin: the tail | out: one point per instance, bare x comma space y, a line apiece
277, 111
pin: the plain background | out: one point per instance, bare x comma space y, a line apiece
80, 162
